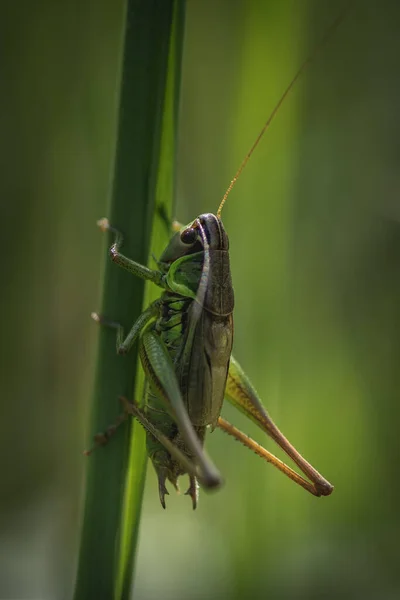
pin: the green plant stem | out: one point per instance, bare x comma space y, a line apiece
142, 183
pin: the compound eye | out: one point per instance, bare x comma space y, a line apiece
189, 236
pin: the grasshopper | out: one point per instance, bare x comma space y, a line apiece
185, 341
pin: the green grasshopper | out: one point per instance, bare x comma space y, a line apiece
185, 341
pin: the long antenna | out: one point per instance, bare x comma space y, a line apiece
305, 64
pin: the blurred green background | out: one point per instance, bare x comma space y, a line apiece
314, 225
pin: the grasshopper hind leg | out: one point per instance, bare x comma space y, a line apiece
240, 393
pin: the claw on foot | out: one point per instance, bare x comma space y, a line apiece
176, 226
162, 490
101, 439
107, 322
103, 224
176, 486
193, 491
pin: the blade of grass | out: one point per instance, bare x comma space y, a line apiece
107, 546
160, 233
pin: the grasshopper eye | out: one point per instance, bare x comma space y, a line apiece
189, 236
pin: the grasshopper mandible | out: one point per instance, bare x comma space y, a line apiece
185, 341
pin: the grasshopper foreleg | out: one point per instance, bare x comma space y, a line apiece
127, 263
124, 344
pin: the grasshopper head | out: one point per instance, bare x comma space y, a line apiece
189, 239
